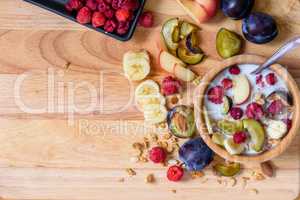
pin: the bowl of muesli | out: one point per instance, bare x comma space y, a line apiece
245, 117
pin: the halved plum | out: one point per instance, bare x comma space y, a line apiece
171, 32
257, 133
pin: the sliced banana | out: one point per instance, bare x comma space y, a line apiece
136, 65
155, 113
147, 88
232, 147
276, 129
143, 101
136, 54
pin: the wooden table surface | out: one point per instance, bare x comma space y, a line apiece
53, 150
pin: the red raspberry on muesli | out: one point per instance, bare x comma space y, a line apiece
254, 111
216, 94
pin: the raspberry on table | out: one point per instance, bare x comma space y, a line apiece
175, 173
157, 155
146, 19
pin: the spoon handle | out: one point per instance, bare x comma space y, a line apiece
292, 44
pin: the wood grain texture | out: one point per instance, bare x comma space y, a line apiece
42, 156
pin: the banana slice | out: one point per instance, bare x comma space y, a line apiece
232, 147
136, 65
136, 54
155, 113
276, 129
147, 88
143, 101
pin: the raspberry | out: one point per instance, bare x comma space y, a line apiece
227, 83
109, 13
171, 86
129, 4
239, 137
235, 70
259, 80
92, 4
216, 94
146, 19
73, 5
175, 173
288, 122
108, 1
102, 6
84, 15
98, 19
122, 14
275, 107
236, 113
123, 28
271, 79
110, 26
157, 155
115, 4
254, 111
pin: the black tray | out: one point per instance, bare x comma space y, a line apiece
58, 7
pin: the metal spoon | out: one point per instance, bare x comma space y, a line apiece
292, 44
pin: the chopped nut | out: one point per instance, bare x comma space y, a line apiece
258, 176
273, 142
143, 159
167, 136
150, 178
174, 140
173, 162
164, 144
219, 181
170, 149
154, 137
137, 145
134, 159
121, 180
174, 191
267, 169
233, 181
253, 191
137, 152
245, 181
197, 174
130, 172
163, 125
204, 180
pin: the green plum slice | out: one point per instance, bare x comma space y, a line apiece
218, 138
257, 133
230, 127
171, 33
228, 169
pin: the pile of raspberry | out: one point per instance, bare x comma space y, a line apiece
111, 15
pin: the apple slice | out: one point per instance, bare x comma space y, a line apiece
167, 61
199, 10
241, 89
194, 10
183, 73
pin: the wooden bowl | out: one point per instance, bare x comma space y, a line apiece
198, 99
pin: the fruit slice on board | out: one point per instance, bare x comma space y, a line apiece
136, 65
167, 61
233, 148
257, 133
241, 89
171, 33
229, 170
276, 129
155, 114
147, 88
143, 101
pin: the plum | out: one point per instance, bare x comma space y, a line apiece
259, 28
195, 154
237, 9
